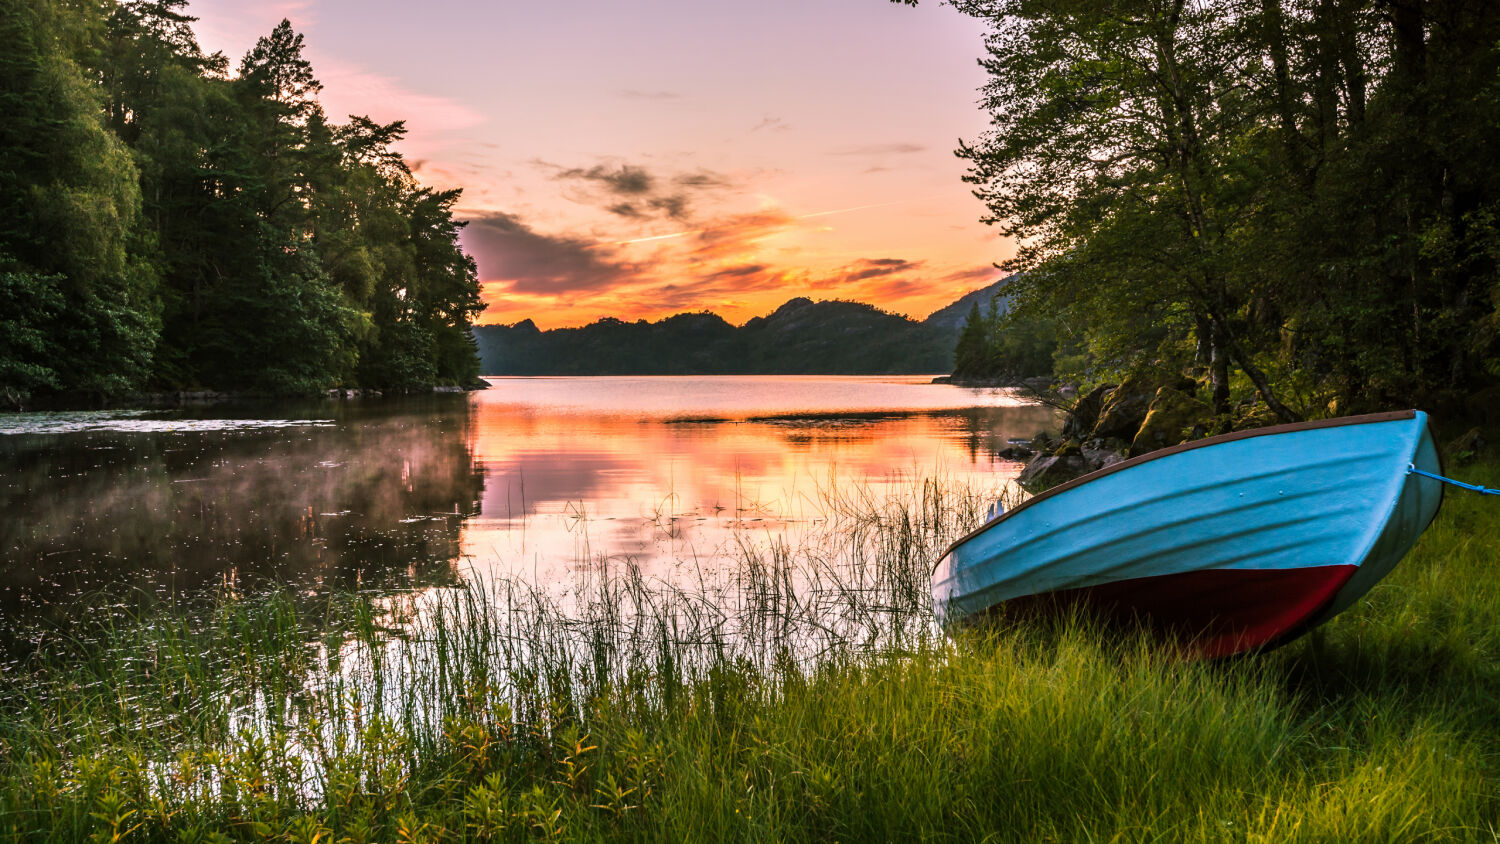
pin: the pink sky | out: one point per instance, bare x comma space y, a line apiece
643, 159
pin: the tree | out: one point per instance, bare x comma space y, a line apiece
164, 223
69, 215
1295, 190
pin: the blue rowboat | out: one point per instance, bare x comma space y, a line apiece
1227, 544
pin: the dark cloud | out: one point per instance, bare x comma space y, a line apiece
737, 272
643, 192
880, 149
877, 267
625, 209
702, 180
716, 286
509, 251
627, 179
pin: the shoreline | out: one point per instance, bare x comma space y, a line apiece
173, 399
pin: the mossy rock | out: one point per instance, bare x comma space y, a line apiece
1255, 415
1069, 449
1047, 471
1085, 413
1173, 417
1125, 408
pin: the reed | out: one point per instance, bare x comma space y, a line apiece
805, 694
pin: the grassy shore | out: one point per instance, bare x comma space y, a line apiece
811, 699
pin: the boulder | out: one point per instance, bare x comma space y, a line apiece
1173, 417
1465, 448
1125, 408
1085, 413
1047, 471
1253, 415
1098, 458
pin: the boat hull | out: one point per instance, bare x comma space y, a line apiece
1227, 544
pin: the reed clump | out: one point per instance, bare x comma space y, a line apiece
807, 695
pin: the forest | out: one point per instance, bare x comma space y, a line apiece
171, 221
1293, 201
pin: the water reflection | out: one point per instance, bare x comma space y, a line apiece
322, 494
533, 478
677, 474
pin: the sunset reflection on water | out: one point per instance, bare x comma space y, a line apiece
534, 478
675, 472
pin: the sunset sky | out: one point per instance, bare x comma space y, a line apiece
642, 159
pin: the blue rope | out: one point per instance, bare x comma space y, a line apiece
1411, 469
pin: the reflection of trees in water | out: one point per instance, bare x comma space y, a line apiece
987, 430
376, 501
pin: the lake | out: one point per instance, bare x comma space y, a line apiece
534, 478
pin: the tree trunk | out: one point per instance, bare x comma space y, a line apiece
1353, 62
1254, 373
1218, 368
1275, 37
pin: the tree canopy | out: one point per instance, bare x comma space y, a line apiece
1290, 198
167, 224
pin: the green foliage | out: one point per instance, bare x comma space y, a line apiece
69, 212
1296, 192
834, 711
1010, 345
208, 230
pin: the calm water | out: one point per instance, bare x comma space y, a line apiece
534, 478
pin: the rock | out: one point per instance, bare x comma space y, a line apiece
1465, 448
1015, 452
1068, 449
1252, 415
1125, 408
1041, 443
1173, 417
1047, 471
1085, 412
1098, 458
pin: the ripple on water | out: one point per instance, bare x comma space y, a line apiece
138, 422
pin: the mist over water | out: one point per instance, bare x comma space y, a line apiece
534, 478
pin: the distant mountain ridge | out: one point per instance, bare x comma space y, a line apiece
802, 337
953, 315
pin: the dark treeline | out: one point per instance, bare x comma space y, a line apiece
801, 337
1291, 200
168, 221
994, 344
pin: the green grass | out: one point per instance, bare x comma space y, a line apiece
812, 700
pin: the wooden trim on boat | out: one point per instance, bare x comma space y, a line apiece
1337, 422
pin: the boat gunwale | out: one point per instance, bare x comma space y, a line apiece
1336, 422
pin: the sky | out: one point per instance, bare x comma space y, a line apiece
641, 159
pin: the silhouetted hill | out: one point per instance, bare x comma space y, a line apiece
802, 337
953, 316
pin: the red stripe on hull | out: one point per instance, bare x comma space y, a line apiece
1213, 613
